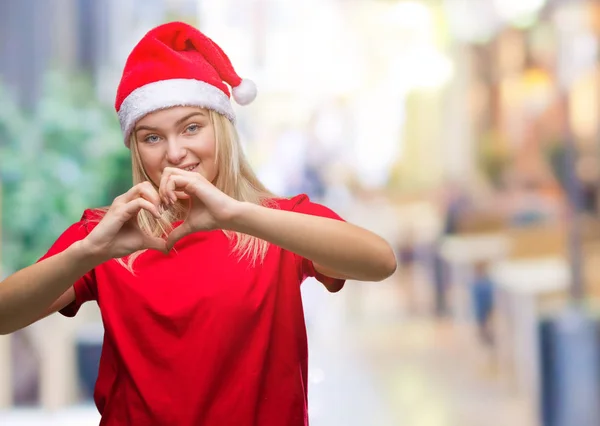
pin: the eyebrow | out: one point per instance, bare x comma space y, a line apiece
177, 123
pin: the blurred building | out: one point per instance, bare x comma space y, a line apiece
91, 36
25, 33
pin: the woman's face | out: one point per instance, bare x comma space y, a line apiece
181, 137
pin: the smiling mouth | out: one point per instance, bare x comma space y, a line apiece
191, 168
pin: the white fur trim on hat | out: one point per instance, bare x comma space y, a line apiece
169, 93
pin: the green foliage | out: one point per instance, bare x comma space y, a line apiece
65, 157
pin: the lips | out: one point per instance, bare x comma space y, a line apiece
190, 168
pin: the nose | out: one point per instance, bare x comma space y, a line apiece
176, 152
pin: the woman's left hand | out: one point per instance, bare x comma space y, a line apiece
209, 207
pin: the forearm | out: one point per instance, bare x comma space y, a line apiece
338, 246
25, 295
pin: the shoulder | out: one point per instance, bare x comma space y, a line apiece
76, 231
289, 204
301, 203
91, 217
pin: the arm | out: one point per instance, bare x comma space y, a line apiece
47, 286
42, 288
337, 249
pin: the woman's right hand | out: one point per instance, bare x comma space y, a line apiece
118, 233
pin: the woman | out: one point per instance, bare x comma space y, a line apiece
197, 268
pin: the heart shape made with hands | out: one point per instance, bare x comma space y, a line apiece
207, 205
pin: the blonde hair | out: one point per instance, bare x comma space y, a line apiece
235, 178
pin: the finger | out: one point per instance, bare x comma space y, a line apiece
119, 201
170, 189
164, 190
177, 234
133, 207
186, 184
145, 190
165, 187
172, 185
163, 182
175, 187
182, 195
149, 192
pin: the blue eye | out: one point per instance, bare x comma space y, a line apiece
152, 139
192, 128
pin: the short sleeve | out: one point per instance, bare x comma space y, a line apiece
85, 287
302, 204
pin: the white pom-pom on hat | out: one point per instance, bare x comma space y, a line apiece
245, 92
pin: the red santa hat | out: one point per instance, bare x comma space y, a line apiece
176, 65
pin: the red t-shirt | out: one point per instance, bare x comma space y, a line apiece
198, 337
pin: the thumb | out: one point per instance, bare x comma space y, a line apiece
177, 234
154, 243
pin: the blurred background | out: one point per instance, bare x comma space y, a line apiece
466, 132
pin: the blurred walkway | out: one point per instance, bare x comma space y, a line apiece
372, 365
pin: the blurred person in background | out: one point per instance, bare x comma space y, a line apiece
407, 252
482, 297
588, 173
454, 203
197, 268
